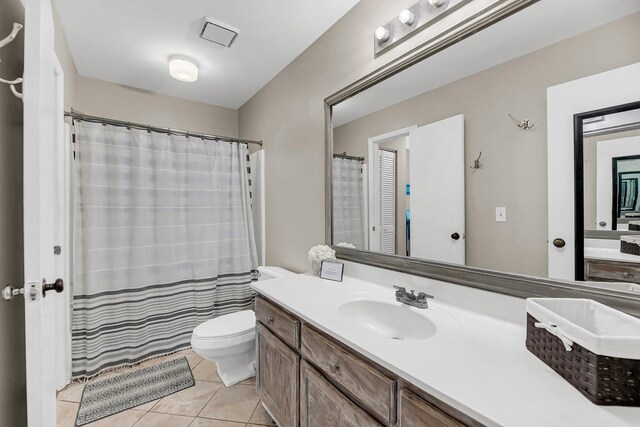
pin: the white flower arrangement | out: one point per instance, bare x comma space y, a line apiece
320, 253
346, 245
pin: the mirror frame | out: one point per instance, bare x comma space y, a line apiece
578, 156
516, 285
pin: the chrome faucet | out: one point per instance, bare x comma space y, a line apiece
419, 301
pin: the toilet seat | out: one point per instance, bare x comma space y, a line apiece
226, 333
227, 326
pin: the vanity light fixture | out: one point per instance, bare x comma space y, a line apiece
382, 34
437, 3
183, 69
406, 17
411, 20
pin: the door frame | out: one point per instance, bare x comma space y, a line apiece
373, 146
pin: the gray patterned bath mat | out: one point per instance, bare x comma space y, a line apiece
103, 398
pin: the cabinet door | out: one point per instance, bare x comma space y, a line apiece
278, 377
321, 404
416, 412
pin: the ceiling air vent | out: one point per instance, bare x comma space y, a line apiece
218, 32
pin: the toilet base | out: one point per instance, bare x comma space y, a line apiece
236, 368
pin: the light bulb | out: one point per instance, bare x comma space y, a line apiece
183, 69
437, 3
406, 17
382, 34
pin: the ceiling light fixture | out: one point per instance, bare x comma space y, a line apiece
406, 17
382, 34
437, 3
183, 69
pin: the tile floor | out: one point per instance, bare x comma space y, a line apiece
207, 404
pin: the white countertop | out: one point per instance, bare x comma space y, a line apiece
609, 254
475, 363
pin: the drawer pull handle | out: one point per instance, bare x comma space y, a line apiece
627, 274
334, 367
270, 319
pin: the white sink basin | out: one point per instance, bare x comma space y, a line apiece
595, 326
387, 320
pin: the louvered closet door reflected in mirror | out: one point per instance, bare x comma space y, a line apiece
385, 194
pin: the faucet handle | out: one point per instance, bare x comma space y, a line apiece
423, 296
400, 288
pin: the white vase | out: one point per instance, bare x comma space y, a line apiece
315, 266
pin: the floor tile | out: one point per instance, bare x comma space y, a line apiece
206, 422
189, 401
206, 371
261, 417
235, 403
154, 419
122, 419
66, 413
191, 356
70, 390
250, 381
147, 406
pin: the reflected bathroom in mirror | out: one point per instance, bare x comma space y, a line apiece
405, 180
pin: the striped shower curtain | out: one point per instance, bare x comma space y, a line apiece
348, 202
163, 240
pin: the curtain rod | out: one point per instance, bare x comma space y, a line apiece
93, 119
345, 156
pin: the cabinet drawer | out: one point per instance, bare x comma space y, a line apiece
284, 325
321, 404
373, 390
612, 270
415, 412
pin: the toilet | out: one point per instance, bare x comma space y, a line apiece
229, 340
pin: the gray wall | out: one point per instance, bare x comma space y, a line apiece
12, 375
288, 115
106, 99
515, 170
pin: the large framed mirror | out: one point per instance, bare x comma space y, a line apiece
442, 163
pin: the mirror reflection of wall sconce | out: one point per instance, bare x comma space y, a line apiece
12, 83
476, 163
411, 20
522, 124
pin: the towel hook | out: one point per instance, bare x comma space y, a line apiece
522, 124
11, 37
476, 163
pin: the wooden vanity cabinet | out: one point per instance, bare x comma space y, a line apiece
416, 412
277, 377
306, 378
602, 270
321, 404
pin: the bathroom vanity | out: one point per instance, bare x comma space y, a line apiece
348, 354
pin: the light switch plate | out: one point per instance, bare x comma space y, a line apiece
501, 214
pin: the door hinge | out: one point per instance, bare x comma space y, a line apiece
57, 250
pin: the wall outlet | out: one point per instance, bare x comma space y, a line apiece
501, 214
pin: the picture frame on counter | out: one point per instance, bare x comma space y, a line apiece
330, 270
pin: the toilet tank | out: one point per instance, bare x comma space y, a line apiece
271, 272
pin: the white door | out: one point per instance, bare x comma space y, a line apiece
437, 191
615, 87
386, 197
42, 128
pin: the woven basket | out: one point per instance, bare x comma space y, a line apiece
601, 379
635, 227
629, 248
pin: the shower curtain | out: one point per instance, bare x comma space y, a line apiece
163, 240
348, 202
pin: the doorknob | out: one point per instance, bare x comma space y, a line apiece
455, 236
602, 224
559, 243
57, 286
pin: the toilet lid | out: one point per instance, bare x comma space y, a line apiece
227, 326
